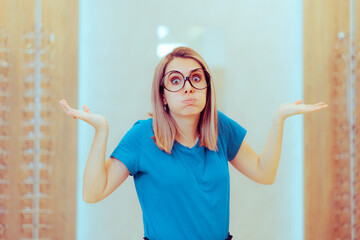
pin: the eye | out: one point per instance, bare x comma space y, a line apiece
196, 77
175, 80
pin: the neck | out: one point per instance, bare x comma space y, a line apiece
187, 130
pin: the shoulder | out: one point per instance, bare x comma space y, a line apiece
227, 125
139, 129
143, 123
223, 120
221, 116
230, 135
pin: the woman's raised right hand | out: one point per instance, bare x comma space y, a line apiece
97, 121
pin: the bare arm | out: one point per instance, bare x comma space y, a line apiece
263, 168
94, 179
100, 178
116, 175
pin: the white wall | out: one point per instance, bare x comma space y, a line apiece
254, 49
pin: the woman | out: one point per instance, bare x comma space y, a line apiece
179, 157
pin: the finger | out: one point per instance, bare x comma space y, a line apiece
65, 104
62, 104
86, 108
66, 108
312, 109
298, 102
318, 105
70, 111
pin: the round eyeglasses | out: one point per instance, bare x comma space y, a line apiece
174, 81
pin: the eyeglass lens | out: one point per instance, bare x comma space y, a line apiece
175, 80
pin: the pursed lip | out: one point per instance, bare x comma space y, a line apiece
189, 101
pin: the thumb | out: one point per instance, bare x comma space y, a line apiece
86, 109
298, 102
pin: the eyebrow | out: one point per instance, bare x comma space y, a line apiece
174, 70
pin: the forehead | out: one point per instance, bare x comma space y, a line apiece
183, 65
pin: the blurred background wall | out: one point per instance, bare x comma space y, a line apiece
253, 48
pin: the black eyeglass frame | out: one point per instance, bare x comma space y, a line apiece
207, 78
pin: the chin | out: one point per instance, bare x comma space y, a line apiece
188, 111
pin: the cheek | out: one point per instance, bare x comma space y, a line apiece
170, 99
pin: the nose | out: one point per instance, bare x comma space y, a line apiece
188, 87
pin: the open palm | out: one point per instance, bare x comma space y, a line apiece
96, 120
290, 109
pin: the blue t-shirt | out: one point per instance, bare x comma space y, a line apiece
184, 195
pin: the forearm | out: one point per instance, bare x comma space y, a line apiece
94, 181
270, 156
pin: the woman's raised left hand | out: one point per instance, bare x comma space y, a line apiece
289, 109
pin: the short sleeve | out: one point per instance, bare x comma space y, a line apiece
232, 135
129, 148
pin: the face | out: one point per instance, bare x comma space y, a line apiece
188, 101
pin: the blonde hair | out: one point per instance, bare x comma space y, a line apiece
163, 123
